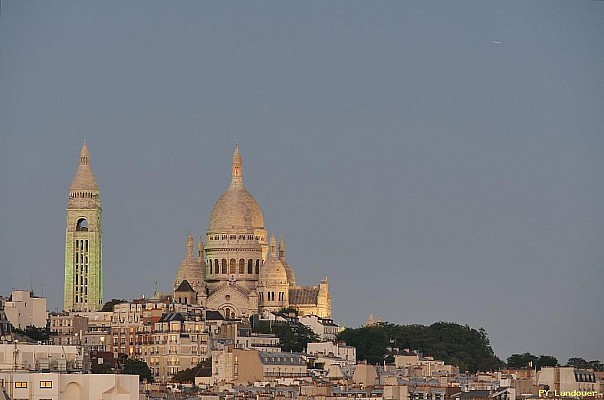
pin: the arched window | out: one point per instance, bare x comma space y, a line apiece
224, 266
82, 225
216, 269
241, 266
232, 266
250, 266
257, 267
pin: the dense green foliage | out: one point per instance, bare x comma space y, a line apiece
108, 306
528, 360
580, 363
138, 367
463, 346
37, 334
103, 368
188, 375
293, 337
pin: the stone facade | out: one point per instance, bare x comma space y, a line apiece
83, 244
243, 273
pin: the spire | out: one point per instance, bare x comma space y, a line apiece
84, 155
273, 245
190, 245
281, 248
236, 167
200, 248
84, 190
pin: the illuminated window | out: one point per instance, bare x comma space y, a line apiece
20, 384
46, 384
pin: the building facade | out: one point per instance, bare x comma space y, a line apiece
55, 386
240, 272
83, 241
23, 309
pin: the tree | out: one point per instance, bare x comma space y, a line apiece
546, 361
108, 306
103, 368
525, 360
138, 367
580, 363
37, 334
188, 375
294, 337
463, 346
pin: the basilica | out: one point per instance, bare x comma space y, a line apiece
240, 271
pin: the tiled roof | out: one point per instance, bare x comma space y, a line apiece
304, 295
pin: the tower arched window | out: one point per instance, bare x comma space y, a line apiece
224, 266
241, 266
250, 266
216, 269
82, 225
257, 267
232, 266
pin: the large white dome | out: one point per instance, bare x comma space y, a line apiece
236, 208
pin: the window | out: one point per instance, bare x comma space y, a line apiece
20, 384
257, 266
224, 266
250, 267
45, 384
242, 266
232, 266
82, 225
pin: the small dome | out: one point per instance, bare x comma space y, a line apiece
273, 272
236, 208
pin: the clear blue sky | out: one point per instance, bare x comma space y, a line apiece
437, 160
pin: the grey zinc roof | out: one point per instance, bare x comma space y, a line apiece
167, 317
184, 286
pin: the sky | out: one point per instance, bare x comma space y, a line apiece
438, 161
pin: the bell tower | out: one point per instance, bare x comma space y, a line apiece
83, 244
